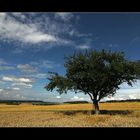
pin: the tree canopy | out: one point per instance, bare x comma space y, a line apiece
95, 73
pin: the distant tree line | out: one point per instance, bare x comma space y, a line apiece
33, 102
128, 100
77, 102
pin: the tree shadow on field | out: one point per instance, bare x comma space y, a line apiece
102, 112
116, 112
73, 112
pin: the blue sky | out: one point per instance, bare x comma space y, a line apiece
31, 44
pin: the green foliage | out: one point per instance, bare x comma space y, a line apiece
96, 73
61, 83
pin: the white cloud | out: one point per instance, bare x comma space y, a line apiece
2, 62
36, 28
2, 14
124, 94
83, 47
77, 98
135, 40
126, 86
19, 15
15, 88
10, 28
58, 97
22, 97
26, 68
75, 33
6, 68
34, 63
4, 65
45, 64
39, 75
9, 89
14, 79
64, 16
17, 96
2, 82
11, 94
132, 96
29, 30
25, 85
1, 89
113, 45
39, 37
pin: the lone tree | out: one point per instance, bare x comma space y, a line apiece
96, 73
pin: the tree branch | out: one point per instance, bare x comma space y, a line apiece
90, 96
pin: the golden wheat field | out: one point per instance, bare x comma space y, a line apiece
70, 115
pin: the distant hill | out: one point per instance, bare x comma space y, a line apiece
128, 100
33, 102
76, 102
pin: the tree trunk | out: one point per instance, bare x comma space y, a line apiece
96, 107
